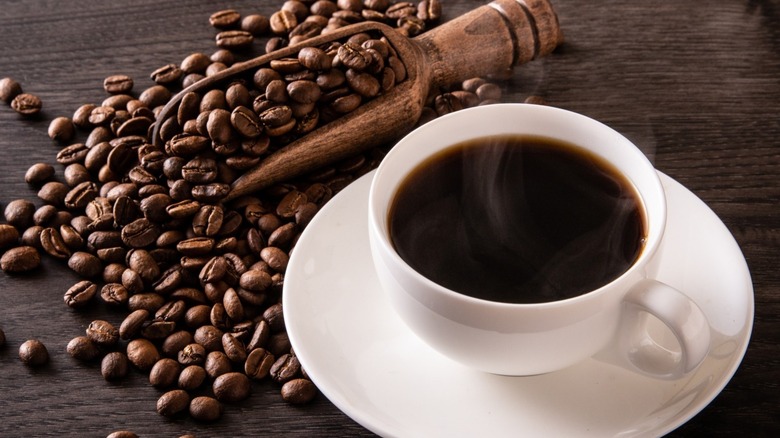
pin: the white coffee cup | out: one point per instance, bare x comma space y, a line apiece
528, 339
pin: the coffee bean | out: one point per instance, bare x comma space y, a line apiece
9, 89
173, 402
154, 96
19, 213
231, 387
167, 74
102, 333
140, 233
9, 236
143, 263
61, 129
20, 259
80, 294
225, 19
285, 368
192, 354
114, 366
175, 342
26, 104
275, 257
53, 244
192, 377
164, 373
81, 195
282, 22
85, 264
33, 353
83, 348
234, 39
39, 173
204, 408
275, 317
299, 391
118, 84
255, 24
258, 363
142, 354
122, 434
246, 122
199, 170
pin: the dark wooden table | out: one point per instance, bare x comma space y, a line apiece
696, 84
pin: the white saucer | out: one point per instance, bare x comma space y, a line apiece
372, 367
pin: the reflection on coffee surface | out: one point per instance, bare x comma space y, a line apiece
517, 219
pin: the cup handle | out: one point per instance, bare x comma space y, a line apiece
681, 316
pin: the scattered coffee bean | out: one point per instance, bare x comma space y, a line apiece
204, 408
20, 259
173, 402
27, 104
298, 391
9, 89
83, 348
231, 387
33, 353
114, 366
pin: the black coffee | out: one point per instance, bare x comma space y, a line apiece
517, 219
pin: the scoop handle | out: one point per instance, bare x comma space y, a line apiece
490, 39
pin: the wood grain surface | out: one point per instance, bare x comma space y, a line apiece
694, 83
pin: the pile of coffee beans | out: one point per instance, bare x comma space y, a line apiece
197, 280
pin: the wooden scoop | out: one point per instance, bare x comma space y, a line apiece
489, 39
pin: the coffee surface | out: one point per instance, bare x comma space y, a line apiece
517, 219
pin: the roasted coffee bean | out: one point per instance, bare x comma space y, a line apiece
83, 348
260, 337
142, 354
53, 192
196, 246
175, 342
167, 74
85, 264
234, 39
210, 193
199, 170
9, 89
114, 366
80, 294
39, 173
133, 323
155, 95
237, 94
282, 22
164, 373
101, 115
192, 354
275, 317
158, 329
114, 294
209, 337
125, 211
204, 408
208, 220
258, 364
275, 257
246, 122
285, 368
140, 233
33, 353
122, 434
231, 387
103, 239
81, 195
173, 402
363, 83
73, 153
299, 391
140, 261
19, 213
234, 349
102, 333
149, 301
195, 63
9, 236
279, 344
75, 174
118, 84
20, 259
27, 104
192, 377
255, 24
61, 129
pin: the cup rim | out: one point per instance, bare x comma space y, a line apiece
378, 214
